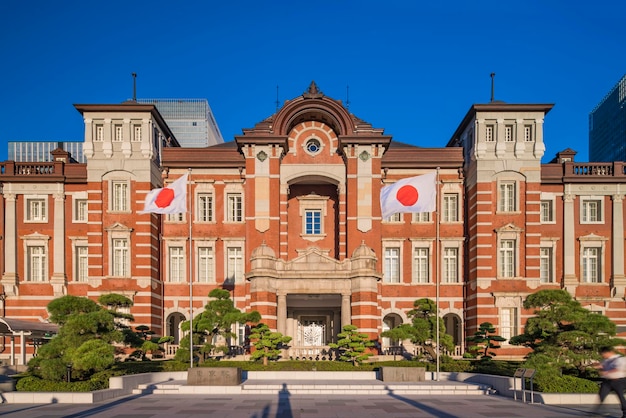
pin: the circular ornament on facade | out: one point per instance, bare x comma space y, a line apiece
364, 156
261, 155
313, 146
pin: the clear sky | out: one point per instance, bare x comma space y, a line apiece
411, 67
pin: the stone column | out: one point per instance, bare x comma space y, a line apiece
346, 310
569, 244
9, 276
59, 279
618, 280
281, 313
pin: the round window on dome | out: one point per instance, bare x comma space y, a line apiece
313, 146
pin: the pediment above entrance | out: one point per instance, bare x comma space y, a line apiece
314, 259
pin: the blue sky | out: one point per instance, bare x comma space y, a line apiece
413, 68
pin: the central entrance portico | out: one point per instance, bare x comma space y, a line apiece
313, 296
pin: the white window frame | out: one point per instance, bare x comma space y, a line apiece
529, 133
490, 133
137, 132
204, 207
98, 132
421, 265
506, 235
547, 209
450, 265
509, 133
118, 133
588, 244
546, 264
392, 261
205, 264
507, 196
509, 322
234, 207
421, 217
120, 257
80, 255
587, 210
394, 218
450, 207
80, 207
508, 325
176, 217
120, 196
176, 264
233, 264
313, 221
309, 204
37, 264
35, 208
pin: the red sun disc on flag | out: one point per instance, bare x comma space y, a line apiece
164, 198
407, 195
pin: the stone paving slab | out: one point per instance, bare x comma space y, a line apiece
285, 405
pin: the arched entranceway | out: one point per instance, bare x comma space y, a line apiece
173, 326
390, 321
454, 328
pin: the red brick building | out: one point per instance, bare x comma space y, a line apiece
287, 218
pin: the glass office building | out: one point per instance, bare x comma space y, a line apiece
40, 151
607, 126
191, 121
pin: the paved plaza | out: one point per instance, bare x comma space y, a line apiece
284, 405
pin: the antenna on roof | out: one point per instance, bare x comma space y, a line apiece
347, 97
277, 98
493, 76
134, 86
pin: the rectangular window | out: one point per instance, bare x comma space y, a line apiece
528, 133
508, 323
99, 133
136, 133
313, 222
177, 264
120, 196
80, 210
396, 217
420, 265
450, 207
547, 214
121, 260
506, 202
508, 133
421, 217
175, 217
591, 211
545, 265
82, 264
205, 265
392, 265
507, 258
36, 210
235, 208
205, 207
450, 265
119, 134
591, 265
36, 264
234, 266
489, 133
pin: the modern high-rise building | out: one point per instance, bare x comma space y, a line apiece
607, 126
40, 151
287, 218
191, 121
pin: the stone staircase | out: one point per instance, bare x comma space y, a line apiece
318, 383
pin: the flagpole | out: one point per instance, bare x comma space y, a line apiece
190, 272
438, 263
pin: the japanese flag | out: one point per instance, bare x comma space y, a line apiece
413, 194
170, 199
